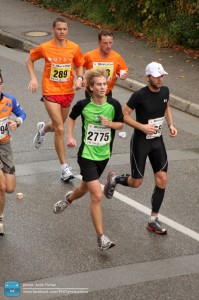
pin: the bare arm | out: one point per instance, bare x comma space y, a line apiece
70, 141
114, 125
129, 120
79, 81
33, 84
169, 119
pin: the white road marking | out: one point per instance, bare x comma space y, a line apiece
193, 234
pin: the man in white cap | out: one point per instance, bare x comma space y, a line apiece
151, 105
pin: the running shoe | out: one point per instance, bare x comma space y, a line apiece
62, 204
39, 137
105, 243
109, 187
1, 228
156, 226
66, 174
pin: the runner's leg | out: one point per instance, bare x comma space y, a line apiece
58, 116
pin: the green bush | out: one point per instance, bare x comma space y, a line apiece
164, 22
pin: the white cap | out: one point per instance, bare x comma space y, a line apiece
155, 69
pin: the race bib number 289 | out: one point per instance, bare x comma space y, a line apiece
60, 72
98, 135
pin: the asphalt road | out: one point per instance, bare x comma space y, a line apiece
56, 256
30, 25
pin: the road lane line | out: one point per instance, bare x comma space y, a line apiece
147, 211
193, 234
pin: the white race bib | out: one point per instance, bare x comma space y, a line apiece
3, 127
158, 126
98, 135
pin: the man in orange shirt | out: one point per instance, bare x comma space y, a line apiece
61, 57
105, 58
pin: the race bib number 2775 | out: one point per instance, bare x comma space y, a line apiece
98, 135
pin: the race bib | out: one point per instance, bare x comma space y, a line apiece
158, 126
108, 66
4, 130
98, 135
60, 72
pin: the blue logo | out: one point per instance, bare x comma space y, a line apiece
12, 289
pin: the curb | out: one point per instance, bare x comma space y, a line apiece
175, 101
184, 105
15, 41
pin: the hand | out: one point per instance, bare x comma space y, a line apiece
70, 142
105, 121
123, 74
12, 125
33, 85
149, 129
78, 84
173, 130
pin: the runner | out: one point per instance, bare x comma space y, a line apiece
61, 57
8, 105
105, 58
101, 116
152, 107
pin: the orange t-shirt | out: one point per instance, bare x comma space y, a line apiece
58, 74
113, 63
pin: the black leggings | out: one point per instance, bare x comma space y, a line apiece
141, 148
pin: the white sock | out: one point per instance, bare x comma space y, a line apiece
41, 131
64, 166
152, 218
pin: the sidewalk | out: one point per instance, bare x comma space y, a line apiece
23, 25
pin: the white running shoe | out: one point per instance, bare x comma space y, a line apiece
62, 204
156, 227
39, 137
1, 228
66, 174
105, 243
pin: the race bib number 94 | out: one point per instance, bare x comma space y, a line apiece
3, 128
60, 72
157, 123
98, 135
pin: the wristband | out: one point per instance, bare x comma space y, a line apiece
171, 124
80, 77
17, 123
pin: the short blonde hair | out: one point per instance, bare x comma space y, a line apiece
90, 77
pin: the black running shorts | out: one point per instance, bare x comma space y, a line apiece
91, 169
141, 148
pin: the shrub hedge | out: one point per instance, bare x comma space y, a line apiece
163, 22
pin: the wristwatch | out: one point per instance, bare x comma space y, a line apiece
17, 123
171, 124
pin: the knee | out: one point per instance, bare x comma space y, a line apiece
3, 188
10, 189
135, 183
59, 129
161, 181
97, 198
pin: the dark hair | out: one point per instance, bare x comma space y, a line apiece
1, 77
104, 33
59, 19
